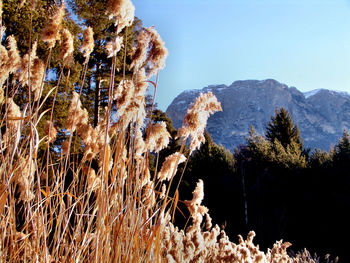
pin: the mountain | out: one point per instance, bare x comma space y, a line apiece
321, 115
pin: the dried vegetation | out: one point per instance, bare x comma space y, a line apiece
118, 211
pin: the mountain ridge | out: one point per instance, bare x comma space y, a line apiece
321, 115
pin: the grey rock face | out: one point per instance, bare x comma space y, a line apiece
321, 115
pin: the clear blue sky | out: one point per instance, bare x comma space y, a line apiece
302, 43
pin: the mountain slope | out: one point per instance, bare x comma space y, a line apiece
321, 115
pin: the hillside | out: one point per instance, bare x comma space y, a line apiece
321, 115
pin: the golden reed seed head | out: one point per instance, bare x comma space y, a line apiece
3, 65
113, 47
77, 117
50, 131
163, 191
196, 119
194, 205
123, 95
13, 55
141, 83
139, 52
24, 177
93, 182
148, 195
158, 52
158, 137
37, 75
88, 43
13, 112
50, 32
67, 47
170, 165
140, 146
123, 11
37, 71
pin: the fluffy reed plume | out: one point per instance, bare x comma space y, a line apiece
3, 65
88, 43
131, 105
93, 182
158, 137
77, 117
37, 71
50, 131
170, 165
50, 32
139, 52
13, 114
11, 136
141, 84
163, 191
123, 94
37, 74
148, 195
197, 117
67, 47
13, 54
123, 11
158, 52
198, 195
140, 146
213, 245
24, 177
10, 59
95, 139
113, 47
150, 51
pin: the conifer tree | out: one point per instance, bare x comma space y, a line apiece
341, 159
342, 149
282, 128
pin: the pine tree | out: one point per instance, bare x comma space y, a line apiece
282, 128
341, 158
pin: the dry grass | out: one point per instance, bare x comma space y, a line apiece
118, 211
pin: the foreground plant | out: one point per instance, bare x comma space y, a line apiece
102, 205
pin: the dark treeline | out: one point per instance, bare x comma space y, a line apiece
273, 185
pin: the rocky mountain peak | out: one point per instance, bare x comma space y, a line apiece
321, 115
